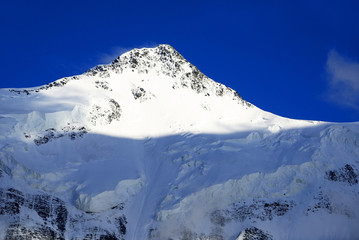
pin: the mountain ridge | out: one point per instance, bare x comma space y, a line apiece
173, 63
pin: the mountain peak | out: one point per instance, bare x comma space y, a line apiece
161, 53
162, 50
164, 60
141, 59
161, 62
148, 147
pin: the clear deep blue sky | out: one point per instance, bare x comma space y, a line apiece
298, 59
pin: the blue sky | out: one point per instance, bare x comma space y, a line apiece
298, 59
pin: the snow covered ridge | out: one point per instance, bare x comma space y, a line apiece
58, 83
165, 60
148, 147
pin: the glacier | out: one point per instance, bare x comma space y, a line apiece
148, 147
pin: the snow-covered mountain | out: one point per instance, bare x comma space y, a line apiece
148, 147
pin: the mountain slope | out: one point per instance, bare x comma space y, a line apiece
148, 147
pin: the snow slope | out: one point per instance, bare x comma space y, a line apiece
148, 147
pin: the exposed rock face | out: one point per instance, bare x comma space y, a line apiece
46, 217
346, 174
18, 232
141, 94
50, 134
42, 216
105, 114
102, 84
51, 211
254, 233
254, 211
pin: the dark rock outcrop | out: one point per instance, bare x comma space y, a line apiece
51, 134
347, 174
22, 208
256, 210
57, 83
254, 233
43, 216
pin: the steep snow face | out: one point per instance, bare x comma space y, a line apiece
148, 147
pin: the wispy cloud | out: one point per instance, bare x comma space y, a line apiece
114, 52
106, 58
343, 77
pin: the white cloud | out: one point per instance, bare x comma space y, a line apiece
343, 77
106, 58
